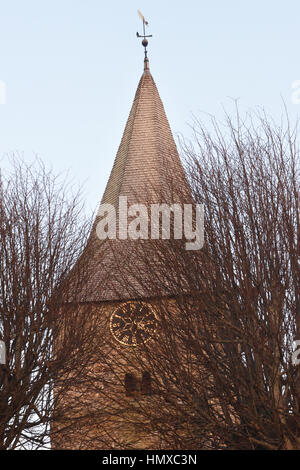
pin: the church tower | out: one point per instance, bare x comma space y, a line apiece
147, 170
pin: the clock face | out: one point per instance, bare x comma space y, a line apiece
133, 323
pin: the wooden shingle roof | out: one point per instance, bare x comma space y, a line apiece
146, 169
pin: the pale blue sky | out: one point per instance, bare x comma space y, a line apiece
71, 68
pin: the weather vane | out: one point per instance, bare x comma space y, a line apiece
144, 36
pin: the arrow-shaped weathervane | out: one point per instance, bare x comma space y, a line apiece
144, 36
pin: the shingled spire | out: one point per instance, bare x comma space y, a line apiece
147, 169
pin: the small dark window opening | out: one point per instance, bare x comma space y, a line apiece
131, 385
146, 387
